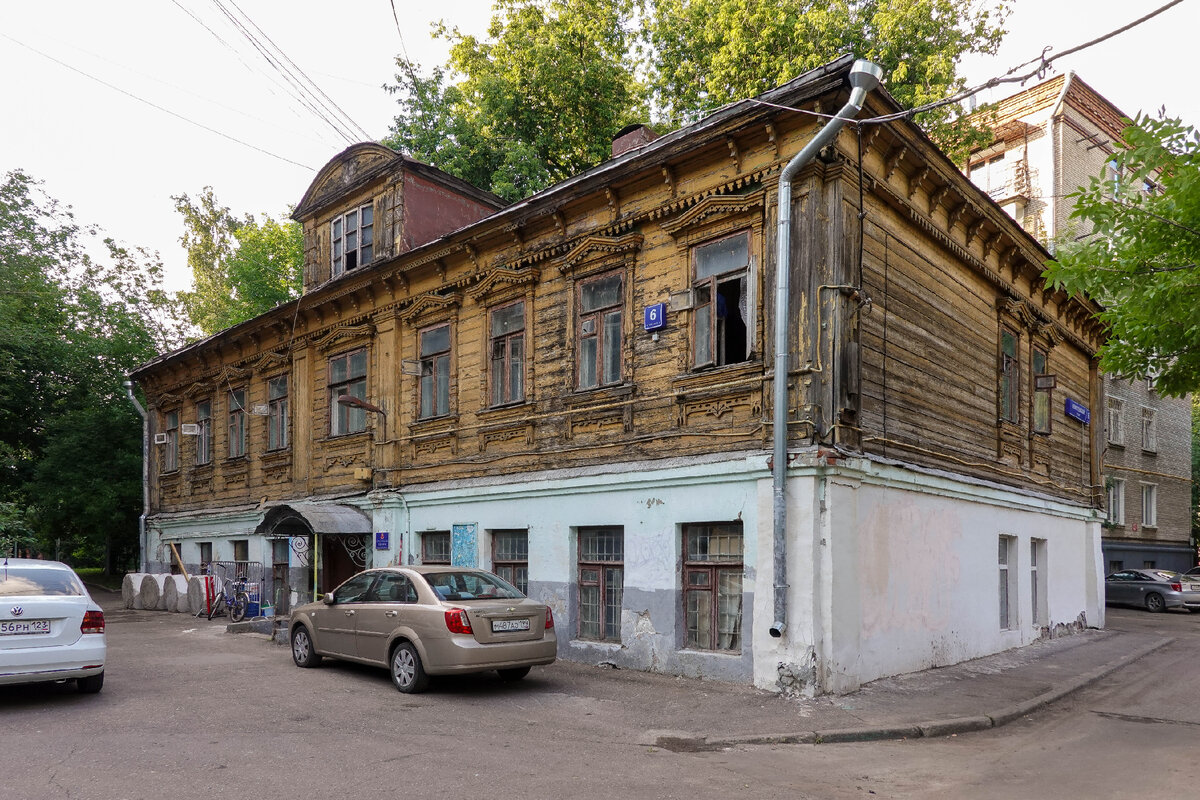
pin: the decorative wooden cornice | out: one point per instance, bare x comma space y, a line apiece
430, 305
1019, 310
340, 333
199, 389
722, 205
168, 399
498, 280
269, 361
230, 374
592, 248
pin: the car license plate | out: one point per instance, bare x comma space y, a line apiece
10, 627
509, 625
1195, 587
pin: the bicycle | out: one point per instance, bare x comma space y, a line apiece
233, 598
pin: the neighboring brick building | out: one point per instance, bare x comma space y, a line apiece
1051, 139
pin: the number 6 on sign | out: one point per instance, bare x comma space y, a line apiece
656, 316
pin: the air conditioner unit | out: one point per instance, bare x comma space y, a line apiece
410, 367
189, 429
261, 410
161, 438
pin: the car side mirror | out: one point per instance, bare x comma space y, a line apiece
328, 599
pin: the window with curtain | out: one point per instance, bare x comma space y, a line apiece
601, 582
712, 580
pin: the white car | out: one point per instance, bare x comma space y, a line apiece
50, 628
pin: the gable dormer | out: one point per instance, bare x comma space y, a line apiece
370, 204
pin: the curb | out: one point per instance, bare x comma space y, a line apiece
921, 730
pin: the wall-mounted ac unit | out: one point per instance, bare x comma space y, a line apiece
260, 410
410, 367
189, 429
161, 438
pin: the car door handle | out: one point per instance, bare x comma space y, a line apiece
390, 613
350, 613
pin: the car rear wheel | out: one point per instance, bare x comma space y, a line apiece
513, 673
407, 672
1155, 602
91, 684
302, 648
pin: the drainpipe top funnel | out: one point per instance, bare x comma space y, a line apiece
865, 75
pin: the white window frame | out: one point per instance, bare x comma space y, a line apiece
1007, 586
1116, 501
1149, 505
1114, 419
1038, 576
1149, 430
361, 234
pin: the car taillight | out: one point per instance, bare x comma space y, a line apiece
93, 622
549, 618
457, 622
1177, 587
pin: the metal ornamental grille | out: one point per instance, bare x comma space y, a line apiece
435, 548
510, 557
601, 582
713, 585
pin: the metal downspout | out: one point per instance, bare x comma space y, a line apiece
145, 476
864, 76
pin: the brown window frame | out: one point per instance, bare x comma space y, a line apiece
354, 419
436, 369
709, 327
170, 453
1009, 378
512, 566
702, 574
596, 317
436, 558
1041, 403
608, 621
204, 437
237, 422
277, 413
506, 365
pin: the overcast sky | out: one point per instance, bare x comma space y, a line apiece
116, 106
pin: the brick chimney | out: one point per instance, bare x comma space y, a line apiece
632, 137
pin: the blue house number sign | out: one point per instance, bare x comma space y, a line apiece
381, 540
656, 316
1078, 411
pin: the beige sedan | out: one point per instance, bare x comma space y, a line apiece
422, 621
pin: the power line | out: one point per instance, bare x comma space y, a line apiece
154, 105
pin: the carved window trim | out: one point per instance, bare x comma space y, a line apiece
432, 364
506, 374
354, 419
236, 422
169, 463
278, 416
203, 455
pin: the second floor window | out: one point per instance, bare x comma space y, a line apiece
1149, 431
600, 331
507, 334
1114, 420
435, 372
277, 413
720, 291
1149, 505
1041, 397
170, 451
204, 432
347, 376
1116, 501
1010, 377
353, 239
237, 423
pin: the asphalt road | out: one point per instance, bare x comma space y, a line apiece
191, 711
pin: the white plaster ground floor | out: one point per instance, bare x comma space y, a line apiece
668, 565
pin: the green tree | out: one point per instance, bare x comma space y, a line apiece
536, 103
72, 325
1140, 261
706, 53
240, 267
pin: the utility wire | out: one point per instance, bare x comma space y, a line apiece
154, 105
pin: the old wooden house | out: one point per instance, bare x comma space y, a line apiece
578, 391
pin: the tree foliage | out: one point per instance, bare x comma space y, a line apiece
77, 313
541, 98
1141, 260
240, 267
535, 103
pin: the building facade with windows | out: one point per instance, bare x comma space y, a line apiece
1052, 139
576, 391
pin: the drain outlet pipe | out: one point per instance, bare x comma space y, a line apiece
864, 77
145, 476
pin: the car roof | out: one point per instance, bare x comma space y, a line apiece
35, 563
426, 569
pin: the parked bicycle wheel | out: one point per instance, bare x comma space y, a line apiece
237, 611
218, 606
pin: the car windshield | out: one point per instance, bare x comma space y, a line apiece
471, 586
24, 582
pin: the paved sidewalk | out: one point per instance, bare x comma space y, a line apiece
975, 695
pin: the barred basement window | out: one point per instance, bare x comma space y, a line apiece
712, 579
601, 583
435, 547
510, 557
